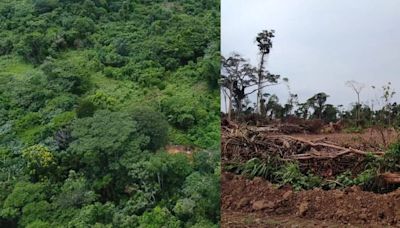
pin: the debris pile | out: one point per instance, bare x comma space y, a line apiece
324, 158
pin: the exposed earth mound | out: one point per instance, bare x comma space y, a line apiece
267, 202
333, 207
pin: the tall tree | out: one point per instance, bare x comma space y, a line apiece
237, 75
302, 110
357, 87
264, 43
291, 102
317, 102
388, 94
330, 113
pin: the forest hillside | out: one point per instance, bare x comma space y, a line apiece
91, 93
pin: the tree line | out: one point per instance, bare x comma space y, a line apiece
239, 80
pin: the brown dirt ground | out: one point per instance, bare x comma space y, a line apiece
258, 203
231, 219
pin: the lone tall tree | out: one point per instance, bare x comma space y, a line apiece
357, 88
264, 43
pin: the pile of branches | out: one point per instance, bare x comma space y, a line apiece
323, 158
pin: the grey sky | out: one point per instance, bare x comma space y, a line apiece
320, 44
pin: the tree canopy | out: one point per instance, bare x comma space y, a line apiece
91, 92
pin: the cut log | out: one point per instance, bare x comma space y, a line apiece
391, 178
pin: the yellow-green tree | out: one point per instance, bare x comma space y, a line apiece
40, 161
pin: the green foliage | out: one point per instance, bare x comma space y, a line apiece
151, 124
34, 47
6, 46
365, 177
255, 167
184, 208
392, 158
23, 194
204, 161
204, 190
169, 170
66, 76
39, 224
63, 119
275, 171
100, 100
29, 120
346, 179
74, 153
158, 217
40, 161
34, 211
291, 174
85, 109
151, 77
94, 215
102, 140
43, 6
343, 180
181, 109
75, 192
30, 95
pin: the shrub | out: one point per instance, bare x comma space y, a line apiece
392, 158
255, 167
102, 100
291, 174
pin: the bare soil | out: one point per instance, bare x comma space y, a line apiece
258, 203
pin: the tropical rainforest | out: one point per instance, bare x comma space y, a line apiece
91, 93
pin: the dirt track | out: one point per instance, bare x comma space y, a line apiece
258, 203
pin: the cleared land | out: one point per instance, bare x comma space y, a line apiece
256, 202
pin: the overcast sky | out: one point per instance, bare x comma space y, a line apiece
320, 44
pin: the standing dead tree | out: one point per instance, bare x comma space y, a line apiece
357, 87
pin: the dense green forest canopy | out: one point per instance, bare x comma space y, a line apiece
90, 93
